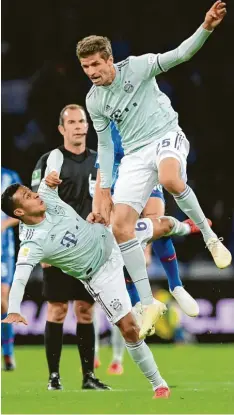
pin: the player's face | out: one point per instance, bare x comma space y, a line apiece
75, 127
28, 203
100, 71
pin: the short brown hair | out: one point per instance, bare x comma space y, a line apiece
94, 44
69, 107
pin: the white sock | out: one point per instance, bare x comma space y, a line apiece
96, 331
118, 344
143, 357
179, 228
188, 203
134, 260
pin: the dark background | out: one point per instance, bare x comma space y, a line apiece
41, 74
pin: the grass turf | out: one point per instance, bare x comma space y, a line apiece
201, 379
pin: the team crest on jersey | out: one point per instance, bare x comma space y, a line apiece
91, 185
116, 304
59, 210
128, 87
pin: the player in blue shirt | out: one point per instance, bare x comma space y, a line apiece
8, 177
163, 248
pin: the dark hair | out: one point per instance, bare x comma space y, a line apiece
8, 204
94, 44
70, 107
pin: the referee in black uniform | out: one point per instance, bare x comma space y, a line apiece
78, 176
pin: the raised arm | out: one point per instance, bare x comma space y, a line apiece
48, 189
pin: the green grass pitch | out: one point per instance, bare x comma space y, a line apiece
201, 379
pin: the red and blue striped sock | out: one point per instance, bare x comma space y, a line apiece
165, 251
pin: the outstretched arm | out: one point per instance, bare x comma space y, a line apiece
29, 255
21, 276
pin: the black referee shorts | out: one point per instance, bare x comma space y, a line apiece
60, 287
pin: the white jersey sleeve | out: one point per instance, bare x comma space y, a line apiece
100, 122
105, 143
21, 276
29, 255
54, 163
150, 65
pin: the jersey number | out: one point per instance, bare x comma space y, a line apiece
141, 226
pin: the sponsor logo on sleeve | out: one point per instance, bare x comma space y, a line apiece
24, 254
36, 177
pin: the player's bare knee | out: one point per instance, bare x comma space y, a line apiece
83, 311
162, 226
57, 312
166, 225
174, 185
124, 221
123, 233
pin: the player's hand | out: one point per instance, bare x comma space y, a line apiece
95, 218
4, 225
215, 15
14, 318
44, 265
53, 180
106, 205
8, 223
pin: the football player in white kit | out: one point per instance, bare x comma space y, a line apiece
154, 144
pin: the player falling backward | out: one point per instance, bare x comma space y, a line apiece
155, 146
52, 232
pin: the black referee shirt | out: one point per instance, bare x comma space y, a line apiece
78, 175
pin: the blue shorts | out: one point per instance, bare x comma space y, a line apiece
158, 192
7, 269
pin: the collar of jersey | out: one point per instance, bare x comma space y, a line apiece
116, 81
36, 225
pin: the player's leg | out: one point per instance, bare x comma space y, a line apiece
118, 344
149, 229
142, 356
129, 201
96, 323
163, 247
55, 293
118, 349
109, 289
56, 313
85, 335
171, 163
7, 331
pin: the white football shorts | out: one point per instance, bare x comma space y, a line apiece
108, 286
138, 172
